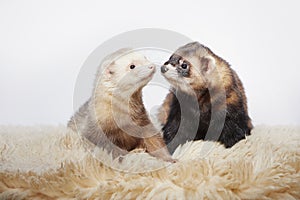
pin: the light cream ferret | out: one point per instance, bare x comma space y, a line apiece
115, 117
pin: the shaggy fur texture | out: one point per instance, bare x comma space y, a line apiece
53, 162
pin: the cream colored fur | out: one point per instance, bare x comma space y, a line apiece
46, 162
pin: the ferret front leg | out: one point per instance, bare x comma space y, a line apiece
156, 147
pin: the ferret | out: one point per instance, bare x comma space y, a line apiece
203, 87
114, 117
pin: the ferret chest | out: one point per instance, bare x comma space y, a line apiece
120, 137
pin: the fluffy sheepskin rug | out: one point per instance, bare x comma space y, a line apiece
46, 162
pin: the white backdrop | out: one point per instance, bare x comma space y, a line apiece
43, 44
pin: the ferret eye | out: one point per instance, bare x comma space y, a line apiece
132, 66
184, 65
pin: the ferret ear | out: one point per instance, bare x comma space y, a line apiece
107, 65
108, 72
208, 64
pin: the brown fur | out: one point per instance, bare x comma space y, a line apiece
153, 144
138, 114
229, 80
194, 70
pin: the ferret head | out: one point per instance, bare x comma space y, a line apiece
125, 70
191, 68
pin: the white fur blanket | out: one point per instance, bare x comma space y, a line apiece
46, 162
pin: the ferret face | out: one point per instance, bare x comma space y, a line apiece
189, 68
128, 72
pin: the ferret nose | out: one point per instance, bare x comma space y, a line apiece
163, 69
150, 66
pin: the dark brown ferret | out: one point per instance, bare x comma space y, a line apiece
206, 100
114, 117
